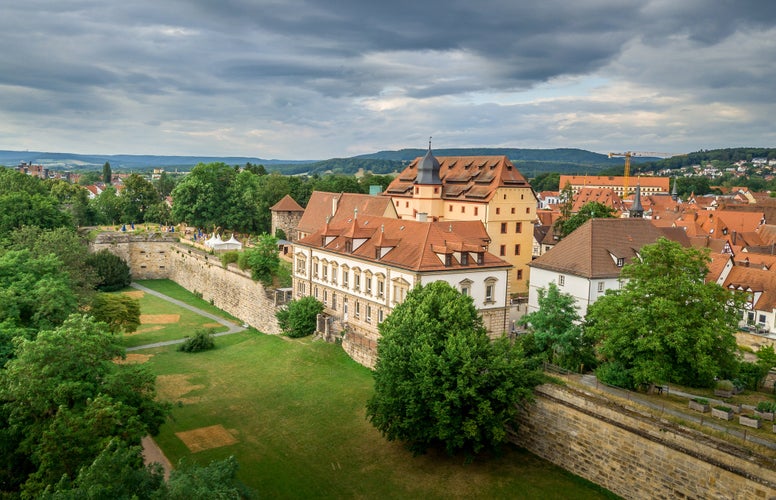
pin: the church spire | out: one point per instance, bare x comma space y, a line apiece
428, 168
636, 209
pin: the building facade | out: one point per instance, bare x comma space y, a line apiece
361, 268
479, 188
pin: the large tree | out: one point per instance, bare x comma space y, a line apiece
440, 381
63, 399
137, 197
202, 198
557, 330
667, 324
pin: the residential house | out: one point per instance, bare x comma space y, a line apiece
588, 261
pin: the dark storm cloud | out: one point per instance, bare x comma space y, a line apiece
253, 77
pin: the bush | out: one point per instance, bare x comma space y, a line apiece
701, 401
229, 257
725, 385
766, 406
299, 317
723, 408
202, 340
112, 271
614, 373
752, 375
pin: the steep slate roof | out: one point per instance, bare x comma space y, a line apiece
464, 178
287, 204
322, 206
592, 250
407, 244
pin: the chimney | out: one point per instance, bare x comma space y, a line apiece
334, 201
734, 237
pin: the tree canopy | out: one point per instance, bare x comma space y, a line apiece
667, 324
591, 210
440, 381
557, 331
63, 400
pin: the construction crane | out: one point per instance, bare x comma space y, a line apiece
627, 155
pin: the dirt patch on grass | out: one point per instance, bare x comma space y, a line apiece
136, 294
206, 438
175, 387
211, 325
157, 319
145, 330
133, 358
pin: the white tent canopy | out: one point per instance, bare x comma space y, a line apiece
216, 243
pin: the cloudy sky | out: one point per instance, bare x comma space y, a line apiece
306, 79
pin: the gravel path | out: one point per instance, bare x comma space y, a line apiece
232, 328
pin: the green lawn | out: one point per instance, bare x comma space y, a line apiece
162, 320
296, 409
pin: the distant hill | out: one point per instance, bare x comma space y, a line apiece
529, 161
72, 161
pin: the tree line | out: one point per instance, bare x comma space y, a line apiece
71, 418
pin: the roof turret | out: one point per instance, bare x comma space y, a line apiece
428, 169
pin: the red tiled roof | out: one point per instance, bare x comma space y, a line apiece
340, 206
592, 250
465, 178
412, 245
287, 204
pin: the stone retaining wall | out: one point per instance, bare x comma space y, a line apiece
161, 256
636, 455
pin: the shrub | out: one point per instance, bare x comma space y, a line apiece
766, 406
299, 317
725, 385
701, 401
113, 272
229, 257
202, 340
752, 375
723, 408
614, 373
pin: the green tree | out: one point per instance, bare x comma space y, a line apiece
165, 184
218, 479
107, 206
440, 381
112, 271
202, 198
21, 209
35, 292
64, 399
590, 210
299, 317
263, 259
548, 181
557, 330
107, 174
120, 312
137, 196
68, 246
667, 324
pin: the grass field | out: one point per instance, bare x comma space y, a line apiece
292, 412
161, 320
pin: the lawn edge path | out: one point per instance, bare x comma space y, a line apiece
232, 328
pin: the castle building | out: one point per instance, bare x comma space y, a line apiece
649, 184
285, 216
361, 267
488, 189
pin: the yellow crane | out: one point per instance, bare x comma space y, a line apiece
627, 155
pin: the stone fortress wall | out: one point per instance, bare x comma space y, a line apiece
632, 454
162, 256
636, 455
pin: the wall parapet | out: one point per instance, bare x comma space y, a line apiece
635, 454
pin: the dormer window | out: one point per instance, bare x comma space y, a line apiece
480, 258
448, 260
465, 259
349, 246
620, 261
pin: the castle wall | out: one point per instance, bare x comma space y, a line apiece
162, 256
636, 455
